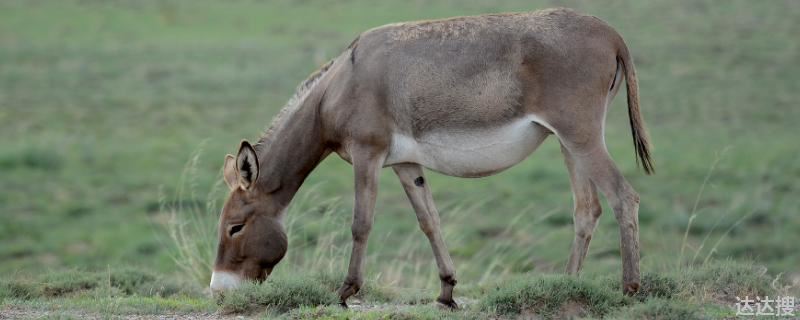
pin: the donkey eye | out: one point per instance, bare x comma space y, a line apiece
235, 229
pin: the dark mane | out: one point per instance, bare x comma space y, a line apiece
294, 102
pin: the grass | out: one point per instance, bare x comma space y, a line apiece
550, 296
120, 282
76, 293
660, 309
726, 281
413, 312
695, 293
103, 103
279, 295
191, 225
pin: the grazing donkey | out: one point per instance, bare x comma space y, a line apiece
466, 97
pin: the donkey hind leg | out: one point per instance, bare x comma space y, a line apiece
366, 166
419, 194
593, 160
587, 210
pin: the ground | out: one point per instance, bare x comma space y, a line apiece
116, 117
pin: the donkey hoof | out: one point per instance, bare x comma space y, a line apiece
343, 304
348, 289
631, 288
450, 304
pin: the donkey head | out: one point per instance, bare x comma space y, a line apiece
251, 237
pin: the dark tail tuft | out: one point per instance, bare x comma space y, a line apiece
641, 140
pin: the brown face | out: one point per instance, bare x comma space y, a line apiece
251, 237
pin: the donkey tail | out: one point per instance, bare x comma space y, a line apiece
641, 140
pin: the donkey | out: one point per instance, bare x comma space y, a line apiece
465, 97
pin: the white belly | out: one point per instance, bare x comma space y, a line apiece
469, 152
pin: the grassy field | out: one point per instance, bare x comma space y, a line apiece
115, 117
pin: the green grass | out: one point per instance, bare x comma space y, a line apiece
385, 312
550, 295
660, 309
699, 293
114, 292
119, 282
666, 295
103, 104
279, 295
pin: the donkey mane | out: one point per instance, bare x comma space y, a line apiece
300, 93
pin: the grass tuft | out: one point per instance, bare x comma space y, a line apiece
659, 309
278, 294
384, 312
369, 291
551, 295
18, 290
725, 280
68, 282
123, 282
653, 285
135, 281
192, 223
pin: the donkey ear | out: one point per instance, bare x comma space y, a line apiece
246, 165
229, 172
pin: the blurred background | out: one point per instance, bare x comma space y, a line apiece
115, 118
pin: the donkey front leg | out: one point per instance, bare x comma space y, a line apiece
366, 166
419, 194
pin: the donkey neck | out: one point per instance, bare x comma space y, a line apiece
291, 149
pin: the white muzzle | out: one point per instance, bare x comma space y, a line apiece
223, 280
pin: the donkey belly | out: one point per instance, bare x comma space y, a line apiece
474, 152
